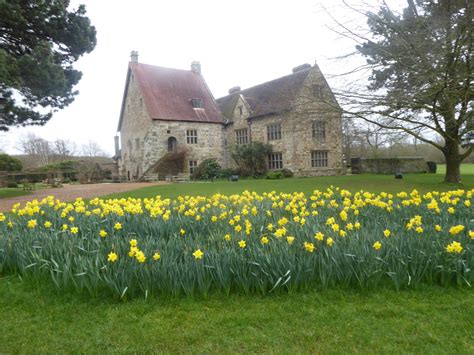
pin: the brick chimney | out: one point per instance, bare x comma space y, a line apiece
234, 90
134, 56
196, 67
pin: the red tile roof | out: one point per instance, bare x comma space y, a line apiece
168, 92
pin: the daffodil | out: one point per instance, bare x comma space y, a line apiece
112, 257
377, 245
456, 229
309, 247
319, 236
198, 254
140, 256
454, 247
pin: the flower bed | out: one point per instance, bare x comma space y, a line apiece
243, 243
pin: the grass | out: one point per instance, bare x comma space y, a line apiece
428, 320
466, 169
12, 192
373, 183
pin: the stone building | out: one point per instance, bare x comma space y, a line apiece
168, 110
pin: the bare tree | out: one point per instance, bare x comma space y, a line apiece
64, 148
421, 74
36, 147
92, 149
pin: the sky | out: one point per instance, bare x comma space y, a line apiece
239, 43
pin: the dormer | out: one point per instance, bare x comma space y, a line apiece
196, 102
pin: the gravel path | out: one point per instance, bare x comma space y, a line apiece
71, 192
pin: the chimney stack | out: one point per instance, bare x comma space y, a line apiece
301, 67
134, 56
234, 90
116, 141
196, 67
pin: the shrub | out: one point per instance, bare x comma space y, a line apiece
252, 158
12, 184
226, 173
170, 164
8, 163
287, 173
208, 169
275, 175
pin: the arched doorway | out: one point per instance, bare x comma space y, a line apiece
172, 144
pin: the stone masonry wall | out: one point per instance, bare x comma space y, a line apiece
389, 165
238, 122
306, 109
297, 142
136, 123
209, 141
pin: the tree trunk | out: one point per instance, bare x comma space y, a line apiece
453, 162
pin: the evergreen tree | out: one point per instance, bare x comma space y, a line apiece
39, 42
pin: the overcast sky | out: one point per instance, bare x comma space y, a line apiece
242, 43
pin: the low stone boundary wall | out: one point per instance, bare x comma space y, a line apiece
388, 165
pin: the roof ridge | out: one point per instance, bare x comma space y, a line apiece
157, 66
268, 82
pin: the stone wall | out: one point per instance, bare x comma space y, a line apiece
388, 165
297, 141
135, 125
209, 141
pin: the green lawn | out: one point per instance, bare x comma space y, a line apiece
466, 169
12, 192
374, 183
429, 320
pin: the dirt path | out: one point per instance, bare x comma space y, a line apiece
71, 192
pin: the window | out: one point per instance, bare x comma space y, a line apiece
191, 136
172, 144
192, 166
274, 132
275, 161
241, 136
241, 111
319, 158
137, 143
197, 103
318, 91
141, 102
319, 130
